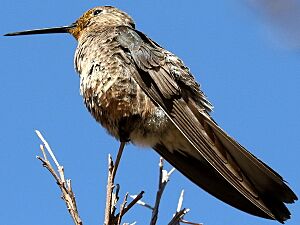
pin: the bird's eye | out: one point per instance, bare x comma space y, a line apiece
96, 12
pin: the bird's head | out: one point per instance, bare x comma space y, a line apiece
94, 20
98, 18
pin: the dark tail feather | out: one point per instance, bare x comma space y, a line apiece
207, 178
203, 175
269, 184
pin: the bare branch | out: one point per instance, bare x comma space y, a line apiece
120, 152
45, 143
180, 201
109, 191
178, 216
142, 203
112, 194
132, 203
112, 198
163, 180
120, 215
65, 187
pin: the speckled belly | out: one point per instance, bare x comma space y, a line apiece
125, 106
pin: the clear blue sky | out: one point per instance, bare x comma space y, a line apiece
252, 82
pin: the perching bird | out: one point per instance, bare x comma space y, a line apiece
144, 94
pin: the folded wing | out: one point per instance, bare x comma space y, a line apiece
228, 171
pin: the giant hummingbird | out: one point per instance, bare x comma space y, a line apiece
144, 94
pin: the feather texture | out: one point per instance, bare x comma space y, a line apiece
257, 188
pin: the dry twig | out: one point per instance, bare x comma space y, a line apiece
163, 180
142, 203
178, 216
180, 213
112, 198
132, 203
64, 185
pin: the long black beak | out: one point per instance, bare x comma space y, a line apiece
63, 29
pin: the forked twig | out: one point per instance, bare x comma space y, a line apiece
162, 183
64, 185
111, 197
132, 203
163, 180
123, 205
178, 216
180, 213
142, 203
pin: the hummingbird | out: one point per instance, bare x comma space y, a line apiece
144, 94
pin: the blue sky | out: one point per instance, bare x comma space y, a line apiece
252, 81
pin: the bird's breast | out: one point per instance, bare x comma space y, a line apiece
113, 97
